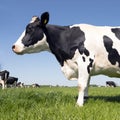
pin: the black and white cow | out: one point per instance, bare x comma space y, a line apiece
35, 85
82, 50
19, 84
4, 76
110, 84
7, 80
12, 81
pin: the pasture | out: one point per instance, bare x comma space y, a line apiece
58, 103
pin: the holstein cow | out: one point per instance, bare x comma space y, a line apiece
11, 81
19, 84
35, 85
110, 84
82, 50
4, 76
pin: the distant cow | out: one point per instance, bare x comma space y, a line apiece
19, 84
82, 50
6, 80
11, 81
110, 83
4, 76
35, 85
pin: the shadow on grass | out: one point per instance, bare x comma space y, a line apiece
106, 98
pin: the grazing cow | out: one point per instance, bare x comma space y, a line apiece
82, 50
110, 84
19, 84
11, 81
4, 76
35, 85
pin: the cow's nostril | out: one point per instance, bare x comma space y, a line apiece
13, 47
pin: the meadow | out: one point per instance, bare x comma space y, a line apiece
58, 103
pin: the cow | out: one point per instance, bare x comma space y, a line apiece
83, 50
7, 80
4, 76
11, 81
35, 85
110, 84
19, 84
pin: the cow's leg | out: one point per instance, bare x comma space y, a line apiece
82, 86
86, 90
3, 84
83, 79
15, 83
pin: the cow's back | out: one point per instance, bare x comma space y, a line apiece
103, 43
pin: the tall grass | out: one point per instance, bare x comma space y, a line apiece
58, 103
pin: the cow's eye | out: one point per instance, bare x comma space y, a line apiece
29, 29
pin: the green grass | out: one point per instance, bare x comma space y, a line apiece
58, 103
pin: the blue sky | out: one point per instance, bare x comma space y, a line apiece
43, 68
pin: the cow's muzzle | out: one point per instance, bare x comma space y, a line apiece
17, 49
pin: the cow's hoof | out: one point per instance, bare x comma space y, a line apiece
79, 105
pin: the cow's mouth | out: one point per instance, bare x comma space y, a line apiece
17, 50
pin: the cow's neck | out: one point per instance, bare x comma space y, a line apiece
56, 38
54, 32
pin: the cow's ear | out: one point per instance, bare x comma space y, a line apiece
44, 18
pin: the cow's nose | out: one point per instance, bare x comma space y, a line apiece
13, 47
17, 49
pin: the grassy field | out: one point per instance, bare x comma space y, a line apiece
58, 103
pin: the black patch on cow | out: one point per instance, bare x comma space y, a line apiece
63, 41
113, 55
86, 52
11, 80
83, 58
117, 32
90, 65
33, 34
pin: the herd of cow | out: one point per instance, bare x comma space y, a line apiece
8, 81
82, 50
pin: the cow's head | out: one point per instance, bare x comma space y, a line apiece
33, 39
